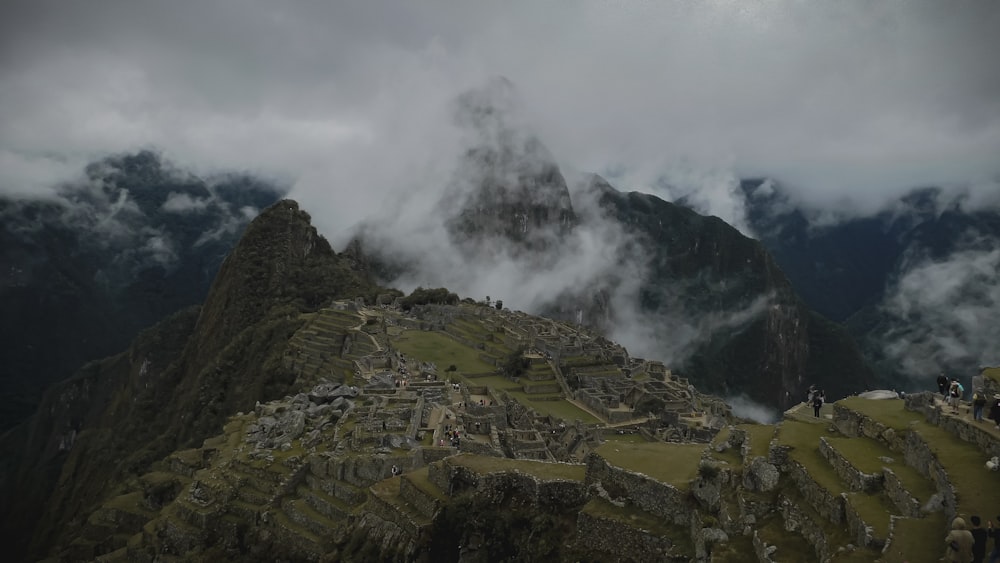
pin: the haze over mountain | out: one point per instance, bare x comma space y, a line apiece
84, 268
848, 106
915, 283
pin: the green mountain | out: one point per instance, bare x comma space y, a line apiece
84, 269
285, 419
176, 384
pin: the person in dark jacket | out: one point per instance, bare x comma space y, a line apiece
995, 534
979, 536
943, 383
995, 410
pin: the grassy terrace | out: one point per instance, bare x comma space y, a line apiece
558, 408
420, 481
442, 350
804, 437
864, 454
638, 518
540, 469
731, 455
921, 539
676, 464
978, 490
760, 438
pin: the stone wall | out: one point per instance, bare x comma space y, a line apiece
617, 541
856, 479
897, 493
862, 532
964, 428
824, 502
920, 457
660, 499
851, 423
798, 520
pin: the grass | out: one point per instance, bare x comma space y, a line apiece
442, 350
560, 409
874, 510
731, 455
760, 438
541, 469
420, 481
625, 438
791, 546
978, 490
918, 539
803, 437
675, 464
992, 373
633, 516
889, 412
864, 453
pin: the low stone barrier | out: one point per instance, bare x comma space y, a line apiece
899, 495
824, 502
661, 499
856, 479
620, 541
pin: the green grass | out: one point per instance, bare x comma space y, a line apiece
625, 438
978, 490
864, 453
760, 438
731, 455
442, 350
803, 437
992, 373
420, 481
874, 510
541, 469
676, 464
918, 539
792, 547
889, 412
631, 515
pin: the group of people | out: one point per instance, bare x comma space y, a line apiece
969, 546
952, 392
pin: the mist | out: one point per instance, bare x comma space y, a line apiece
945, 313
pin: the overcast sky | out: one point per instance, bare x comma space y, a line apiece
846, 102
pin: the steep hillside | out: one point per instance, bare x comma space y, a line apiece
914, 283
84, 269
120, 414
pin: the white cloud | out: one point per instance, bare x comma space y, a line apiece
848, 103
945, 312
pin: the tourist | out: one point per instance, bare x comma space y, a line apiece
942, 383
958, 543
979, 540
978, 404
955, 391
817, 402
995, 410
995, 534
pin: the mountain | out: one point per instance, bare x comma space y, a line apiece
84, 269
912, 283
666, 282
176, 383
285, 419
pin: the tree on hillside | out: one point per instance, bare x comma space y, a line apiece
421, 296
516, 364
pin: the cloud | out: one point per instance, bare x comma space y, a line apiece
945, 313
183, 203
847, 103
744, 407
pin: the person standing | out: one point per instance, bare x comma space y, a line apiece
979, 536
817, 403
955, 395
995, 410
958, 543
942, 383
995, 534
978, 404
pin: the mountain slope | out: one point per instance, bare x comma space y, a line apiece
82, 271
179, 381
